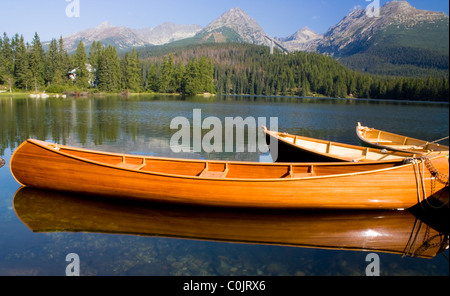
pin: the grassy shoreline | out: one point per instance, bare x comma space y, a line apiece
22, 94
75, 94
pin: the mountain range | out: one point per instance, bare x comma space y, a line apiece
124, 38
394, 39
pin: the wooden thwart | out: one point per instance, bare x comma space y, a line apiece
131, 166
206, 173
309, 173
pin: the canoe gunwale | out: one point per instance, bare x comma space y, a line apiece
396, 164
360, 130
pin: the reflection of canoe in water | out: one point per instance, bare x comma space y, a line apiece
377, 185
377, 138
2, 162
397, 232
294, 148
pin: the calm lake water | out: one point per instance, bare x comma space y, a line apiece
39, 229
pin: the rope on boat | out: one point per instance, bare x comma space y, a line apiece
440, 177
411, 241
419, 173
413, 249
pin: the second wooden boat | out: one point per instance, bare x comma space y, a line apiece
2, 162
395, 184
385, 140
286, 147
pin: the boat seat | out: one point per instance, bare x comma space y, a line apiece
211, 174
206, 173
130, 166
375, 140
293, 174
407, 147
302, 175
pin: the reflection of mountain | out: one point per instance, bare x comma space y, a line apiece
395, 232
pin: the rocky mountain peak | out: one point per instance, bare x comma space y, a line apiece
305, 34
304, 39
358, 27
402, 12
104, 25
240, 22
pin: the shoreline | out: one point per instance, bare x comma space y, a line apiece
204, 95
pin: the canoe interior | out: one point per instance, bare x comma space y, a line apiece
220, 169
338, 151
393, 141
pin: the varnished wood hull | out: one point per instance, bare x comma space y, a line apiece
397, 232
381, 185
385, 140
286, 147
2, 162
286, 152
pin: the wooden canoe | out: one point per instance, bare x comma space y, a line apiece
286, 147
397, 232
2, 162
377, 185
385, 140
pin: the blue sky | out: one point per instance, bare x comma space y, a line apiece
277, 17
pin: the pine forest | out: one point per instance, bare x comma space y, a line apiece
227, 68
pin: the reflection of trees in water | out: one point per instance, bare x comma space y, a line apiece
142, 123
58, 120
109, 123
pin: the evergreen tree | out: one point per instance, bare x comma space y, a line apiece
80, 64
178, 74
37, 60
94, 58
166, 82
22, 72
132, 77
63, 64
191, 83
6, 59
206, 74
51, 64
305, 88
152, 79
95, 53
109, 71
